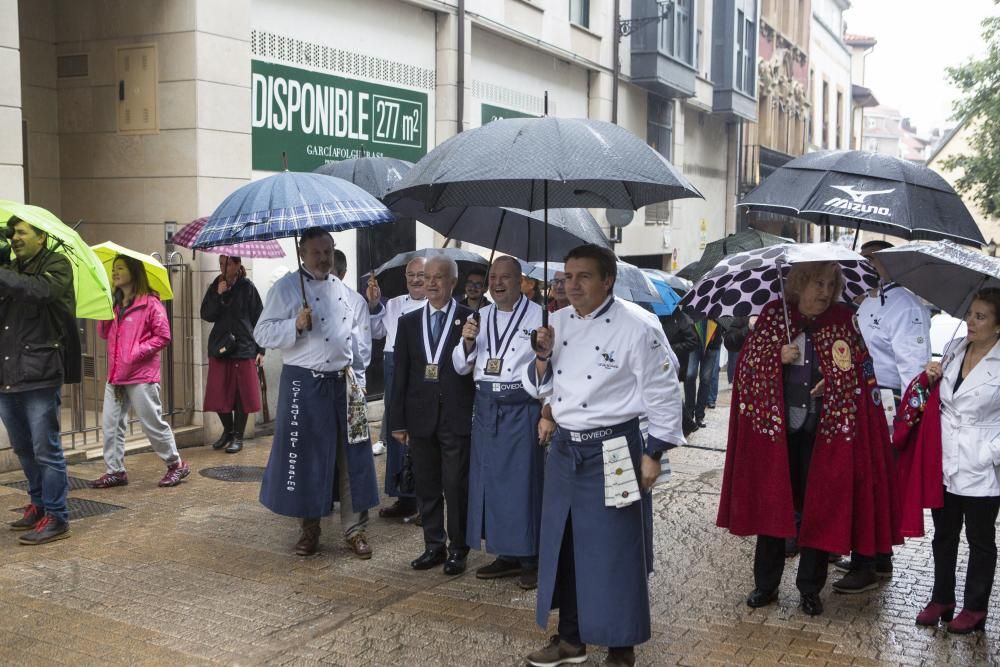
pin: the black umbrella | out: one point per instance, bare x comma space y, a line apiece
392, 275
374, 175
867, 191
738, 242
510, 230
537, 163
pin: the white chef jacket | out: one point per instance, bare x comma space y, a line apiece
385, 320
332, 344
898, 335
526, 316
361, 316
607, 368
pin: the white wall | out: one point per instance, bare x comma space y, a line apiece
830, 61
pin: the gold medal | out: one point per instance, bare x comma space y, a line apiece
493, 366
431, 373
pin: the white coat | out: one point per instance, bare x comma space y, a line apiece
970, 424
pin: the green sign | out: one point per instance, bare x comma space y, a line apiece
317, 118
491, 113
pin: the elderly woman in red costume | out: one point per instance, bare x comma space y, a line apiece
807, 436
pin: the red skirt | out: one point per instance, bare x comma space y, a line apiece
229, 379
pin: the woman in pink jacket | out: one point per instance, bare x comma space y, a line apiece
135, 337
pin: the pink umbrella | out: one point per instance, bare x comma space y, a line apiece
185, 238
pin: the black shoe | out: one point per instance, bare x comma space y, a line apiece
430, 558
48, 529
235, 446
759, 598
620, 657
701, 423
843, 564
498, 569
402, 508
455, 564
528, 581
710, 406
223, 440
811, 604
883, 566
856, 581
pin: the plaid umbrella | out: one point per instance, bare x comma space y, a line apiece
285, 205
185, 239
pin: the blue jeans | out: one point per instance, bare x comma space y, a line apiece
713, 384
702, 371
32, 422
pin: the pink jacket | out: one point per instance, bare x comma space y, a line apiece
135, 341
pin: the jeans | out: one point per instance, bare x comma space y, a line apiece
145, 400
32, 422
713, 384
702, 366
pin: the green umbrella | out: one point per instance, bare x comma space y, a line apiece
90, 280
740, 242
156, 273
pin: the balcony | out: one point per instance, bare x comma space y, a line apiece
734, 58
663, 52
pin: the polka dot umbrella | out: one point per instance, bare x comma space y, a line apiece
741, 284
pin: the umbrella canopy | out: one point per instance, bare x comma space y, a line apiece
631, 283
186, 235
156, 273
679, 285
508, 230
90, 281
742, 284
285, 205
374, 175
944, 273
585, 163
738, 242
392, 275
864, 190
667, 293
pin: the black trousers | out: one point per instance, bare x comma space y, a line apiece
441, 473
979, 515
769, 555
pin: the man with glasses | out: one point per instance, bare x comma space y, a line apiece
475, 289
384, 321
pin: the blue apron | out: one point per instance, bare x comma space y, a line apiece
612, 548
300, 479
505, 470
394, 450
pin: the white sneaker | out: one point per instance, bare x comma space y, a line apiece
378, 448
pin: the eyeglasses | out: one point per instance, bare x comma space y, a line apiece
414, 275
470, 283
557, 281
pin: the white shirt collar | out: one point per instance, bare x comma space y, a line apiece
443, 309
597, 311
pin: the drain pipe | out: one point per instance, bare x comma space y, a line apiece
460, 70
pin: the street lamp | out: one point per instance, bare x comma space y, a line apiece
624, 28
991, 249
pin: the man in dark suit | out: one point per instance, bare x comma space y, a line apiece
434, 416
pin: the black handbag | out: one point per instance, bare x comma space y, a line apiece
228, 346
404, 478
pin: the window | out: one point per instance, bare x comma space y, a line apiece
677, 32
840, 120
579, 12
746, 39
660, 136
870, 123
871, 145
825, 115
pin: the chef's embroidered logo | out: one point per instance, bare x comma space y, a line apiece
608, 361
857, 202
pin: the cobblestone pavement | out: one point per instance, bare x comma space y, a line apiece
203, 574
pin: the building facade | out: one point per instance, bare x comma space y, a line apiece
138, 116
830, 77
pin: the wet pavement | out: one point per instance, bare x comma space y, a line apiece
203, 574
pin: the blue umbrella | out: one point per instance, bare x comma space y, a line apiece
287, 204
667, 293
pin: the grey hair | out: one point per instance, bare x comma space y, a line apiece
447, 261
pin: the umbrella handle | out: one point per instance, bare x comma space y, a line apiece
784, 302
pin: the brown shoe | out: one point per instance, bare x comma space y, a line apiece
309, 539
557, 652
359, 545
620, 657
398, 510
